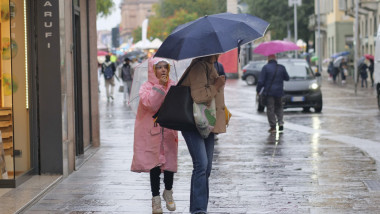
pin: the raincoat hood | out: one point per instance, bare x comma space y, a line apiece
151, 75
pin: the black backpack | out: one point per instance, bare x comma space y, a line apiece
108, 71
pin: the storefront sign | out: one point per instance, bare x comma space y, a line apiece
49, 85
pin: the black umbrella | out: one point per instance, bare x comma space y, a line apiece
212, 34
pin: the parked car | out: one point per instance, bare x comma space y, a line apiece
251, 71
303, 89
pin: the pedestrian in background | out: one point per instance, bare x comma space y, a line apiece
155, 148
126, 75
108, 71
343, 70
272, 79
330, 70
363, 74
205, 84
371, 68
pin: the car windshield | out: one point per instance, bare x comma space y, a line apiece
298, 70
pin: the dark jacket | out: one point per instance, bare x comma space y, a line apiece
363, 71
266, 76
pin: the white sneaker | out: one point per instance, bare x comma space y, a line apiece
168, 197
156, 205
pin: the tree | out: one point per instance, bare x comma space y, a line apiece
201, 7
104, 7
279, 15
172, 13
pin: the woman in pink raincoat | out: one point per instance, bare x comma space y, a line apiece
155, 148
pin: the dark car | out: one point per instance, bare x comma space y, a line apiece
303, 89
251, 71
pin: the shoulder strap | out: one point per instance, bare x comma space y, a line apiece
270, 86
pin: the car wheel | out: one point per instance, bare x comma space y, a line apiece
250, 80
318, 108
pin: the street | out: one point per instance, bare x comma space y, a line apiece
322, 163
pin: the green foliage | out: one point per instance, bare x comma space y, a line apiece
279, 14
172, 13
104, 7
136, 34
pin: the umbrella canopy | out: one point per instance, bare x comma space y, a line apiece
102, 53
369, 56
214, 34
276, 46
344, 53
338, 60
314, 58
361, 60
140, 76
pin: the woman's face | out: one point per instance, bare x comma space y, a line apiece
162, 69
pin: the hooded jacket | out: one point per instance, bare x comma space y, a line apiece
153, 145
203, 89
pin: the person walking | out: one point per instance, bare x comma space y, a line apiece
155, 148
126, 75
371, 68
363, 74
272, 79
205, 84
108, 70
343, 70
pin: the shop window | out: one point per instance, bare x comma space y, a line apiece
15, 156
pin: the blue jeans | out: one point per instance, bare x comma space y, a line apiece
201, 151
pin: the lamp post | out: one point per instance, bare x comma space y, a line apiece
319, 49
294, 3
356, 44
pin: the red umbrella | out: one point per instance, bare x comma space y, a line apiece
102, 53
369, 56
276, 46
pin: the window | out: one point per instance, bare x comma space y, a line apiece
15, 155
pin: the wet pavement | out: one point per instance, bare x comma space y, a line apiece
322, 163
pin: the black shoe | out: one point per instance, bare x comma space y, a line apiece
272, 130
281, 128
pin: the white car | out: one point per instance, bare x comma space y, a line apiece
376, 73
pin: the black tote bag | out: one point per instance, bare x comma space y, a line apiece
176, 112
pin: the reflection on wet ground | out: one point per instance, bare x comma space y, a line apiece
313, 167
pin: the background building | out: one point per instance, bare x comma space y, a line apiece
336, 27
133, 13
368, 23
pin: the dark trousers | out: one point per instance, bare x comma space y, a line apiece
275, 111
155, 180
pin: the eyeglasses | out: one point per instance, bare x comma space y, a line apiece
162, 66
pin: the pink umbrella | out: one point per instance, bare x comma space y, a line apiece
102, 53
369, 56
276, 46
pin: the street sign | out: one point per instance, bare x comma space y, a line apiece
296, 2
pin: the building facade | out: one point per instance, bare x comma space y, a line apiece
336, 27
49, 87
369, 17
133, 13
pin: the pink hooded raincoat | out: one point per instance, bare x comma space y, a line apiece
153, 145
